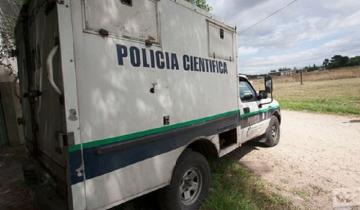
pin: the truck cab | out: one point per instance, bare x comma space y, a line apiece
260, 113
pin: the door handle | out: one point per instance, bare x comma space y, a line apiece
49, 62
246, 110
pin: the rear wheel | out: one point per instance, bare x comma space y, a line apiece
189, 184
272, 132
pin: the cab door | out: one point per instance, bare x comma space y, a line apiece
249, 110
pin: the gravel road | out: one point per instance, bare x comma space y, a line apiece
317, 154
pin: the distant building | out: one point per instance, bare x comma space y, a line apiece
275, 73
288, 72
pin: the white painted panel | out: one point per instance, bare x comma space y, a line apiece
110, 94
70, 90
115, 99
121, 185
78, 196
137, 20
259, 128
252, 130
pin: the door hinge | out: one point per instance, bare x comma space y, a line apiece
64, 141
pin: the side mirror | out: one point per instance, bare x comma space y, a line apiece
263, 94
268, 84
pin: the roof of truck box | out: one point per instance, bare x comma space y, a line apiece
203, 12
196, 9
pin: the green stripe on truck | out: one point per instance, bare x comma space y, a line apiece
131, 136
136, 135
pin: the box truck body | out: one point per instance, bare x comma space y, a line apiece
115, 91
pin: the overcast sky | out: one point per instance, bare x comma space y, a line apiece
304, 33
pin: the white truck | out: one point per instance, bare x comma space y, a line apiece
125, 97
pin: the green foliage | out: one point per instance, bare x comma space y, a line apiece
338, 61
354, 61
334, 94
340, 105
326, 63
202, 4
311, 68
8, 16
235, 187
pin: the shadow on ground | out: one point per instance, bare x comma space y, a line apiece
151, 201
14, 194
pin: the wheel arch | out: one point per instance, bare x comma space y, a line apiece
202, 145
277, 115
205, 147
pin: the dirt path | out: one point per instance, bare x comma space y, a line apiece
317, 154
13, 193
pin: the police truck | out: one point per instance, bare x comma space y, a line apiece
121, 98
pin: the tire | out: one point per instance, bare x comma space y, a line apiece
272, 134
191, 170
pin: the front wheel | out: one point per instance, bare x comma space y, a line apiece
272, 134
189, 184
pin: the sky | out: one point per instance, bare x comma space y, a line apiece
305, 33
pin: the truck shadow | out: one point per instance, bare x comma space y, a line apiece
352, 121
151, 200
245, 149
145, 202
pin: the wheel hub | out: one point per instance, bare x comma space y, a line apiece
190, 186
273, 131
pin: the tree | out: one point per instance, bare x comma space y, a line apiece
326, 63
339, 61
354, 61
9, 10
202, 4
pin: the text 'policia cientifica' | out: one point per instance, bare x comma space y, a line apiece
148, 58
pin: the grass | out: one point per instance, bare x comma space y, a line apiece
235, 187
321, 105
341, 96
342, 73
334, 92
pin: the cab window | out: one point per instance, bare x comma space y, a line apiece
247, 92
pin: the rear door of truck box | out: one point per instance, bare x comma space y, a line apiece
48, 104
